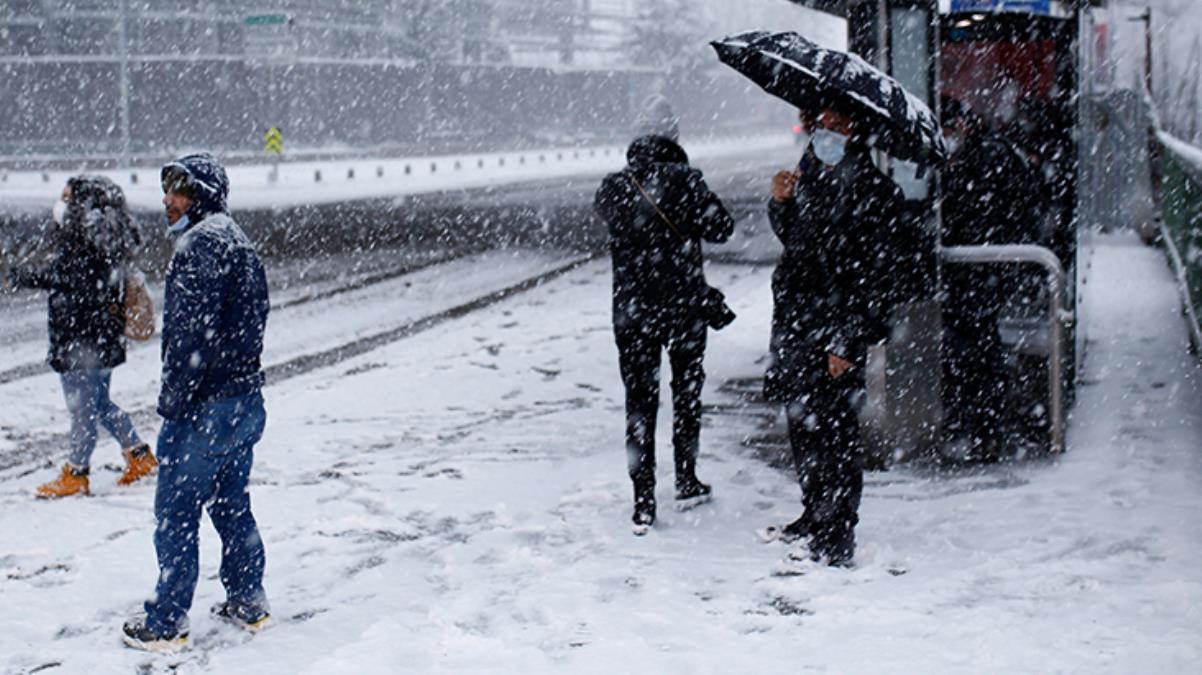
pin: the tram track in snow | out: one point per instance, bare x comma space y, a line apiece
39, 367
30, 451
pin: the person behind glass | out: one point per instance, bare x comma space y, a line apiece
658, 210
991, 195
214, 318
94, 239
838, 218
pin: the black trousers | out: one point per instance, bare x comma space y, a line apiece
975, 380
639, 356
824, 432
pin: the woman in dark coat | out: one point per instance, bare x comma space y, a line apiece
93, 239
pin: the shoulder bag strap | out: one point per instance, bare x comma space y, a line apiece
655, 206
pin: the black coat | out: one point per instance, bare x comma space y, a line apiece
657, 268
85, 315
845, 239
991, 195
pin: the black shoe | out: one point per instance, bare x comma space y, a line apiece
836, 549
691, 492
972, 449
248, 619
644, 516
138, 636
796, 530
988, 449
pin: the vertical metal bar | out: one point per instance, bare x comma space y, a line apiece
1146, 17
123, 39
1083, 83
1056, 355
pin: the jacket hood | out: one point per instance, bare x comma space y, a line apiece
95, 192
212, 185
655, 150
97, 215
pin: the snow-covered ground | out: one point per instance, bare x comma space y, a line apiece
457, 502
333, 181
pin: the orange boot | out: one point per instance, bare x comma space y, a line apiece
139, 463
71, 482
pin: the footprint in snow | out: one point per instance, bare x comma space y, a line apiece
547, 373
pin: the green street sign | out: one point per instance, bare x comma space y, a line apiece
266, 20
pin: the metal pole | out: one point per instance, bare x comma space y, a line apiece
1147, 19
1153, 146
123, 39
1028, 253
1086, 138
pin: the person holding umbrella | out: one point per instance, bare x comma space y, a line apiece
837, 217
845, 238
94, 240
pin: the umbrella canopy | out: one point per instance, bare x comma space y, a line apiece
800, 72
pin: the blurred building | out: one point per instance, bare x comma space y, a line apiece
148, 77
521, 32
82, 76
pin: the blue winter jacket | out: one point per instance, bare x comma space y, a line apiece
216, 303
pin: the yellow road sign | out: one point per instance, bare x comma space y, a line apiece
274, 141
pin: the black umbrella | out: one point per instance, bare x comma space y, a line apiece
800, 72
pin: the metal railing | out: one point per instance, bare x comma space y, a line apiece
1028, 253
1181, 224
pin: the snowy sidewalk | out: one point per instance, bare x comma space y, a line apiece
457, 502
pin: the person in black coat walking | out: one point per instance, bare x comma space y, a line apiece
991, 195
658, 210
94, 238
840, 222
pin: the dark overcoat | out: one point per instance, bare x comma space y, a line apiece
844, 238
654, 240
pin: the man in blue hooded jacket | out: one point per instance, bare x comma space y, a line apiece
212, 407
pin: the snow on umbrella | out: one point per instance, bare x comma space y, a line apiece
806, 75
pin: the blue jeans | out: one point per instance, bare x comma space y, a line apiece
206, 458
87, 394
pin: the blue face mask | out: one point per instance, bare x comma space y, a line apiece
829, 146
179, 225
59, 212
